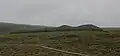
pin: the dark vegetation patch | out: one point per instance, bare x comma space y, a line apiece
4, 39
68, 35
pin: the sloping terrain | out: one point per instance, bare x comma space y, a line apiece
11, 27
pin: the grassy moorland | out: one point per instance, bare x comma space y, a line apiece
94, 43
26, 40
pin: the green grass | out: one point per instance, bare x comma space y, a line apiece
89, 42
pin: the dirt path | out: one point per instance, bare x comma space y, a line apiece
58, 50
73, 53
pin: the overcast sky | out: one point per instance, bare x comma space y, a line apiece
57, 12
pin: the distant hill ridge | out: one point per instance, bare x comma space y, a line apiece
81, 27
10, 27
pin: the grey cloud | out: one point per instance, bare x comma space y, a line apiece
57, 12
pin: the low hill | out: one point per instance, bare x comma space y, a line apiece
11, 27
87, 27
64, 26
90, 27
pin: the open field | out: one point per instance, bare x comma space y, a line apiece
92, 43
